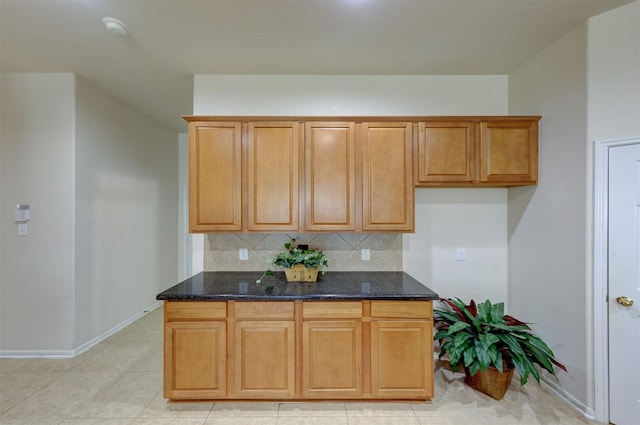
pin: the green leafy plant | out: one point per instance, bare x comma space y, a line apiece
310, 258
479, 336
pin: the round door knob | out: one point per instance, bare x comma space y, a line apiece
624, 301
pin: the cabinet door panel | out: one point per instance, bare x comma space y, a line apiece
332, 365
400, 362
446, 152
387, 177
509, 151
215, 172
265, 359
330, 176
195, 360
274, 151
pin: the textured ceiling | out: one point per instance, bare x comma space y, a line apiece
152, 68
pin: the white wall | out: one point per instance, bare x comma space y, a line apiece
587, 87
471, 219
127, 211
101, 180
37, 271
445, 218
614, 74
548, 223
327, 95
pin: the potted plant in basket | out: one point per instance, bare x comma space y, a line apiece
490, 345
300, 265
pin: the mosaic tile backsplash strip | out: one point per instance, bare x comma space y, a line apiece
342, 250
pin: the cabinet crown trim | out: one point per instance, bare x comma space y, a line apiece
360, 118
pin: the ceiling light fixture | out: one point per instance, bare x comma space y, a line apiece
115, 26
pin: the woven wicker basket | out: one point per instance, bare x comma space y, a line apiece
491, 382
299, 273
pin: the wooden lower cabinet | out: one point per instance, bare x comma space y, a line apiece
400, 359
296, 350
332, 359
265, 359
195, 360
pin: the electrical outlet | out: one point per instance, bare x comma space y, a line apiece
243, 254
23, 229
365, 254
461, 254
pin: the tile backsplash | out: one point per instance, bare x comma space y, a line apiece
342, 249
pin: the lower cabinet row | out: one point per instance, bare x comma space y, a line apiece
298, 350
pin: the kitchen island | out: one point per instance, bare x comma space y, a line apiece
349, 336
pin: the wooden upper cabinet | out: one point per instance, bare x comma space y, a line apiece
478, 151
509, 151
387, 176
215, 176
330, 176
274, 152
446, 152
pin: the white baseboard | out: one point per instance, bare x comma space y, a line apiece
37, 354
65, 354
570, 400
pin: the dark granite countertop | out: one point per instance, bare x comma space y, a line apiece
207, 286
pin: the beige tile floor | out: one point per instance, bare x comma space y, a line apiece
119, 382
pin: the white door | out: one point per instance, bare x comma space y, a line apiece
624, 284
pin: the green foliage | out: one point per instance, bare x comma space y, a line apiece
310, 258
479, 336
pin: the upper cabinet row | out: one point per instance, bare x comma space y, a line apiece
345, 175
265, 176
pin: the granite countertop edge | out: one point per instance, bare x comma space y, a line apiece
328, 297
334, 286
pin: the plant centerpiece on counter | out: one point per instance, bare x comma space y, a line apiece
300, 265
489, 345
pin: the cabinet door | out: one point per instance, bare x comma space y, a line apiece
330, 176
387, 177
401, 359
265, 359
332, 359
509, 152
195, 360
274, 158
446, 152
215, 172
